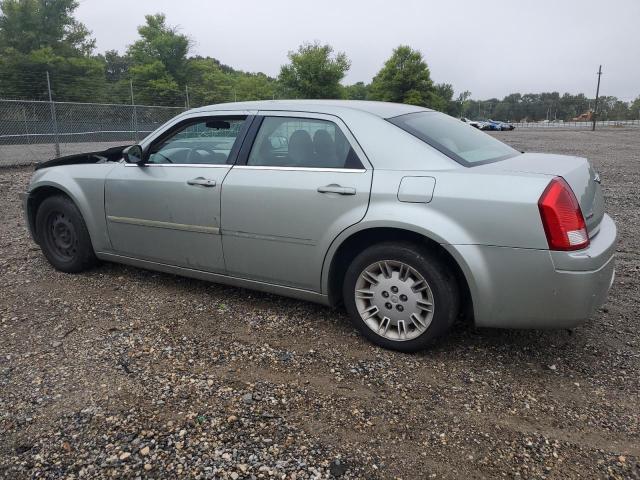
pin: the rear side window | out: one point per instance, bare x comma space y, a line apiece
459, 141
302, 142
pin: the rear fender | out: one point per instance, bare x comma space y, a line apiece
378, 217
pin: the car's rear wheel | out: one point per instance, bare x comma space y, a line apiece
400, 296
63, 235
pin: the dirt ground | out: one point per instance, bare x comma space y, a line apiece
121, 372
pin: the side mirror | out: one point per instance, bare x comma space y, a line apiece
133, 154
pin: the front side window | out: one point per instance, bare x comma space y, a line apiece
302, 142
456, 139
206, 141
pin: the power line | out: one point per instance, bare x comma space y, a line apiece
595, 109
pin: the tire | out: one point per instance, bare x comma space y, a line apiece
63, 235
401, 270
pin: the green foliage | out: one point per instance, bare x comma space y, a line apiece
442, 100
546, 106
634, 109
314, 72
40, 36
72, 78
161, 70
28, 25
404, 78
161, 43
116, 66
254, 86
158, 63
208, 82
357, 91
153, 84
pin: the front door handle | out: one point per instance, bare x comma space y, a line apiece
205, 182
333, 188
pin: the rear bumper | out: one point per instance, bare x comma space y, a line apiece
527, 288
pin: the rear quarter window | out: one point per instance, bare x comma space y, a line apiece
461, 142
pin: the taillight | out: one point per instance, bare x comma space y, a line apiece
562, 218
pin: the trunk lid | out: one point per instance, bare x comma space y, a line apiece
576, 171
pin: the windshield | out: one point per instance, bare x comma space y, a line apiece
461, 142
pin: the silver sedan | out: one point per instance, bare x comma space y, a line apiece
408, 217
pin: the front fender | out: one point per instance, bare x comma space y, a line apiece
84, 184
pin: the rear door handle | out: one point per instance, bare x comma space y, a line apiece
337, 189
205, 182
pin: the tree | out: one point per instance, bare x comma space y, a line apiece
116, 66
634, 109
212, 82
443, 99
461, 102
208, 83
314, 72
405, 78
40, 36
72, 78
253, 86
159, 62
153, 85
29, 25
161, 43
357, 91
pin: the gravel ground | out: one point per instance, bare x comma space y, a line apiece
120, 372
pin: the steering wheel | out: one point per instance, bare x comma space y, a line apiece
164, 156
194, 153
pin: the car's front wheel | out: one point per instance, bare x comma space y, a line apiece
63, 235
400, 295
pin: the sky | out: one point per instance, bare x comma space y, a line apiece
490, 48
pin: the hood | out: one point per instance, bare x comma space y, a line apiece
112, 154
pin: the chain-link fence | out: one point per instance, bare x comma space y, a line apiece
573, 125
34, 131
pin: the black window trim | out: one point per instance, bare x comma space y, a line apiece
252, 134
442, 149
249, 139
235, 149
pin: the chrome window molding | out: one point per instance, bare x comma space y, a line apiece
303, 169
191, 165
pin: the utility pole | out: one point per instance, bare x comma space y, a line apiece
595, 109
186, 90
135, 113
53, 117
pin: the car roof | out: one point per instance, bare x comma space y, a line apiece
380, 109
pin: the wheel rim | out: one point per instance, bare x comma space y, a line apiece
61, 236
394, 300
